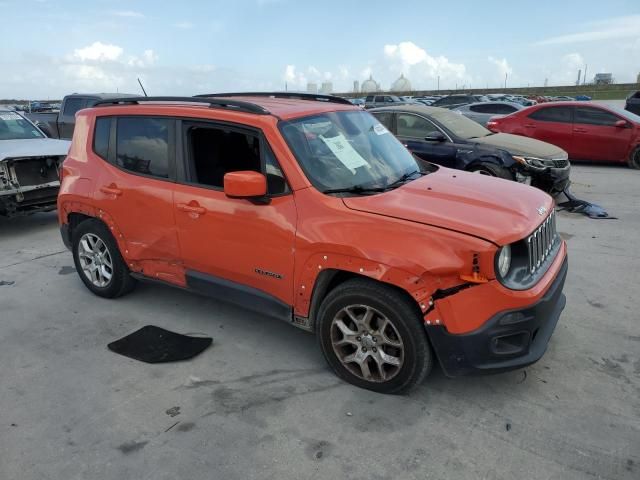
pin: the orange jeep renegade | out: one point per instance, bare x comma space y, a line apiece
305, 208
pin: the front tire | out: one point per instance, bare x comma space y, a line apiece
634, 159
373, 337
98, 260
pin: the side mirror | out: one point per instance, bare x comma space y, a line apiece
621, 124
245, 184
436, 136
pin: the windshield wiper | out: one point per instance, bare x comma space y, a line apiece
358, 189
404, 178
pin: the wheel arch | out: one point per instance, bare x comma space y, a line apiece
324, 272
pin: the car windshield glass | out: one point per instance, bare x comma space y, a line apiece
340, 150
460, 125
626, 114
14, 127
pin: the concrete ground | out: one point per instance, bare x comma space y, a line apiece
261, 403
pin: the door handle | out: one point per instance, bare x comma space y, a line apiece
580, 130
111, 190
197, 209
529, 125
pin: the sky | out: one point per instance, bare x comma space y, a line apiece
53, 47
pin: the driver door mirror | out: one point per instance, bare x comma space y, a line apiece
435, 136
45, 129
245, 184
621, 124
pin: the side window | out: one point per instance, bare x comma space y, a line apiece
213, 152
385, 118
379, 99
594, 116
552, 114
369, 98
506, 109
101, 136
414, 126
142, 145
72, 105
484, 108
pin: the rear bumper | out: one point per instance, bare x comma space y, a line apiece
509, 340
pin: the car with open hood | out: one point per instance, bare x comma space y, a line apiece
29, 166
305, 208
452, 140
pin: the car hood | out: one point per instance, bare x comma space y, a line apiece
525, 146
33, 147
493, 209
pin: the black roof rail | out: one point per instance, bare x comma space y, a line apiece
293, 95
235, 105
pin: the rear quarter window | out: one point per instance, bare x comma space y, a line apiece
101, 136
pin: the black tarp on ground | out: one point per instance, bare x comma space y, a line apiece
153, 344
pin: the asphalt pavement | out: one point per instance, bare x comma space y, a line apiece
262, 404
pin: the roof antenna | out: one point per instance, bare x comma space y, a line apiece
143, 90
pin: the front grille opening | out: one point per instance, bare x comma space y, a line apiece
35, 171
541, 242
510, 344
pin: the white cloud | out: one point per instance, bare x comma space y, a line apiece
502, 68
98, 51
295, 79
420, 67
127, 14
613, 28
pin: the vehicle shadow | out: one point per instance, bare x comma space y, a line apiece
26, 225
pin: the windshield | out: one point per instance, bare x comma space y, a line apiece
625, 113
460, 126
14, 127
340, 150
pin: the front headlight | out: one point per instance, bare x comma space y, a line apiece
536, 163
504, 260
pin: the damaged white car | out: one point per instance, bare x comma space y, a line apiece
29, 166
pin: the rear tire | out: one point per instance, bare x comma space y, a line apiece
634, 159
373, 337
492, 170
98, 260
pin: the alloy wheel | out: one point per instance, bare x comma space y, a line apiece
367, 343
95, 260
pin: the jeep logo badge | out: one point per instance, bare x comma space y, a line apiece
542, 210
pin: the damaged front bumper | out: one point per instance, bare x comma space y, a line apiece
29, 185
510, 339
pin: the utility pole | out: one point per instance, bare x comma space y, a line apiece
505, 80
438, 82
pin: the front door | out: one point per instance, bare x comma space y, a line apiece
596, 136
412, 131
233, 247
135, 189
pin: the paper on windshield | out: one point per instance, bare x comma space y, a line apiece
10, 116
344, 152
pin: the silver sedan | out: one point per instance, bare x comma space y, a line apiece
481, 112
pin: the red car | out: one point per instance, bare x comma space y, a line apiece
587, 132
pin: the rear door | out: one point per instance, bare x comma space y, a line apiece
633, 103
552, 124
67, 119
596, 136
411, 130
135, 189
234, 246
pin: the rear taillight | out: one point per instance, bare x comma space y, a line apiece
492, 125
62, 172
